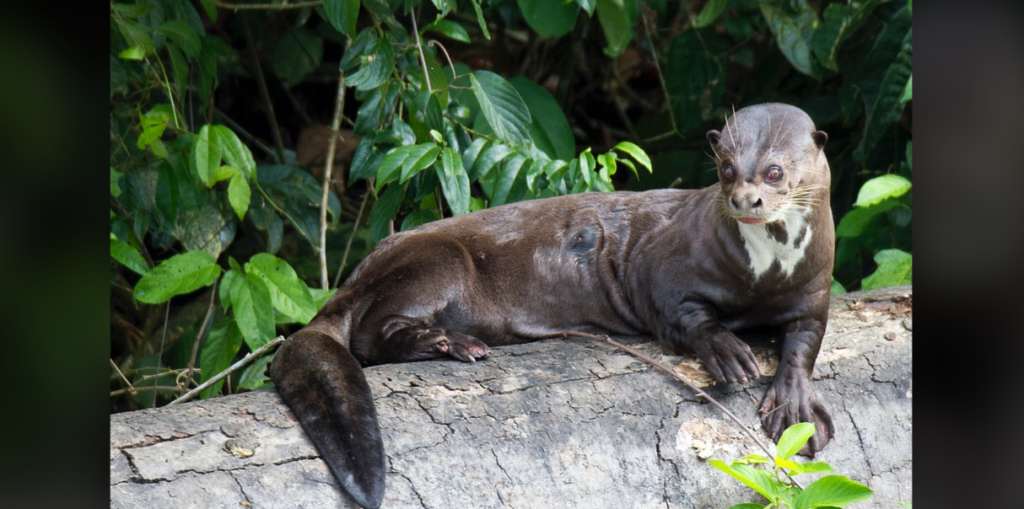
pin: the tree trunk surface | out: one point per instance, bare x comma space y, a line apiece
552, 424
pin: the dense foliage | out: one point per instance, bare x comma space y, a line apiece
239, 194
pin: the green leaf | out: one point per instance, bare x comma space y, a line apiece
128, 256
882, 188
488, 161
288, 293
153, 124
794, 438
454, 181
887, 106
419, 217
251, 299
857, 220
838, 24
757, 480
711, 11
254, 376
226, 284
616, 17
502, 106
132, 53
587, 5
321, 296
296, 54
206, 154
210, 8
789, 29
235, 152
908, 93
366, 160
409, 159
180, 274
480, 19
816, 467
115, 187
133, 11
695, 77
219, 351
450, 29
225, 172
378, 62
637, 153
548, 18
183, 35
384, 211
239, 194
343, 15
506, 178
137, 35
895, 267
837, 288
549, 129
832, 490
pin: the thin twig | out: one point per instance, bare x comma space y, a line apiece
199, 335
163, 336
134, 390
658, 364
423, 60
267, 7
264, 92
123, 378
251, 356
348, 245
236, 127
433, 42
661, 78
339, 111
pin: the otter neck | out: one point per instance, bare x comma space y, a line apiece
784, 242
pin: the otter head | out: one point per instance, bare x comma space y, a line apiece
770, 163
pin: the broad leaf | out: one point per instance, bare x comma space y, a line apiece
637, 153
793, 439
857, 220
549, 129
832, 490
758, 480
882, 188
233, 151
254, 376
449, 28
296, 54
409, 159
547, 18
488, 161
183, 35
384, 210
888, 105
128, 256
239, 194
206, 154
219, 351
289, 294
342, 14
792, 33
506, 178
502, 106
839, 22
250, 298
616, 17
180, 274
378, 62
711, 11
895, 267
454, 181
419, 217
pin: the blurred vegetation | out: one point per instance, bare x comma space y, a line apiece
223, 125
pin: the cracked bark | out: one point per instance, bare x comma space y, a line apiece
563, 423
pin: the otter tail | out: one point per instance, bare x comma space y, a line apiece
320, 380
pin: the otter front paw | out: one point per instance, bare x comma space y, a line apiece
789, 400
728, 358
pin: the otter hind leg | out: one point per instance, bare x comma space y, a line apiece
414, 343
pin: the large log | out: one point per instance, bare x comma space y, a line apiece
559, 423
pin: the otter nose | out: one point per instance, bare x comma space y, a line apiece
746, 199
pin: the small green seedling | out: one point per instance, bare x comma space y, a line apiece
773, 482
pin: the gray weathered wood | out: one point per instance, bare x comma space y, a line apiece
561, 423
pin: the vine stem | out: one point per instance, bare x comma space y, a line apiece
264, 91
661, 78
352, 235
251, 356
419, 48
339, 111
199, 335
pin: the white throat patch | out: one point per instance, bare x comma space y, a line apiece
763, 249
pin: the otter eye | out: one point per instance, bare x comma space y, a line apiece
774, 174
728, 173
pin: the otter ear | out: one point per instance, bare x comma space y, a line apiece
819, 138
713, 136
